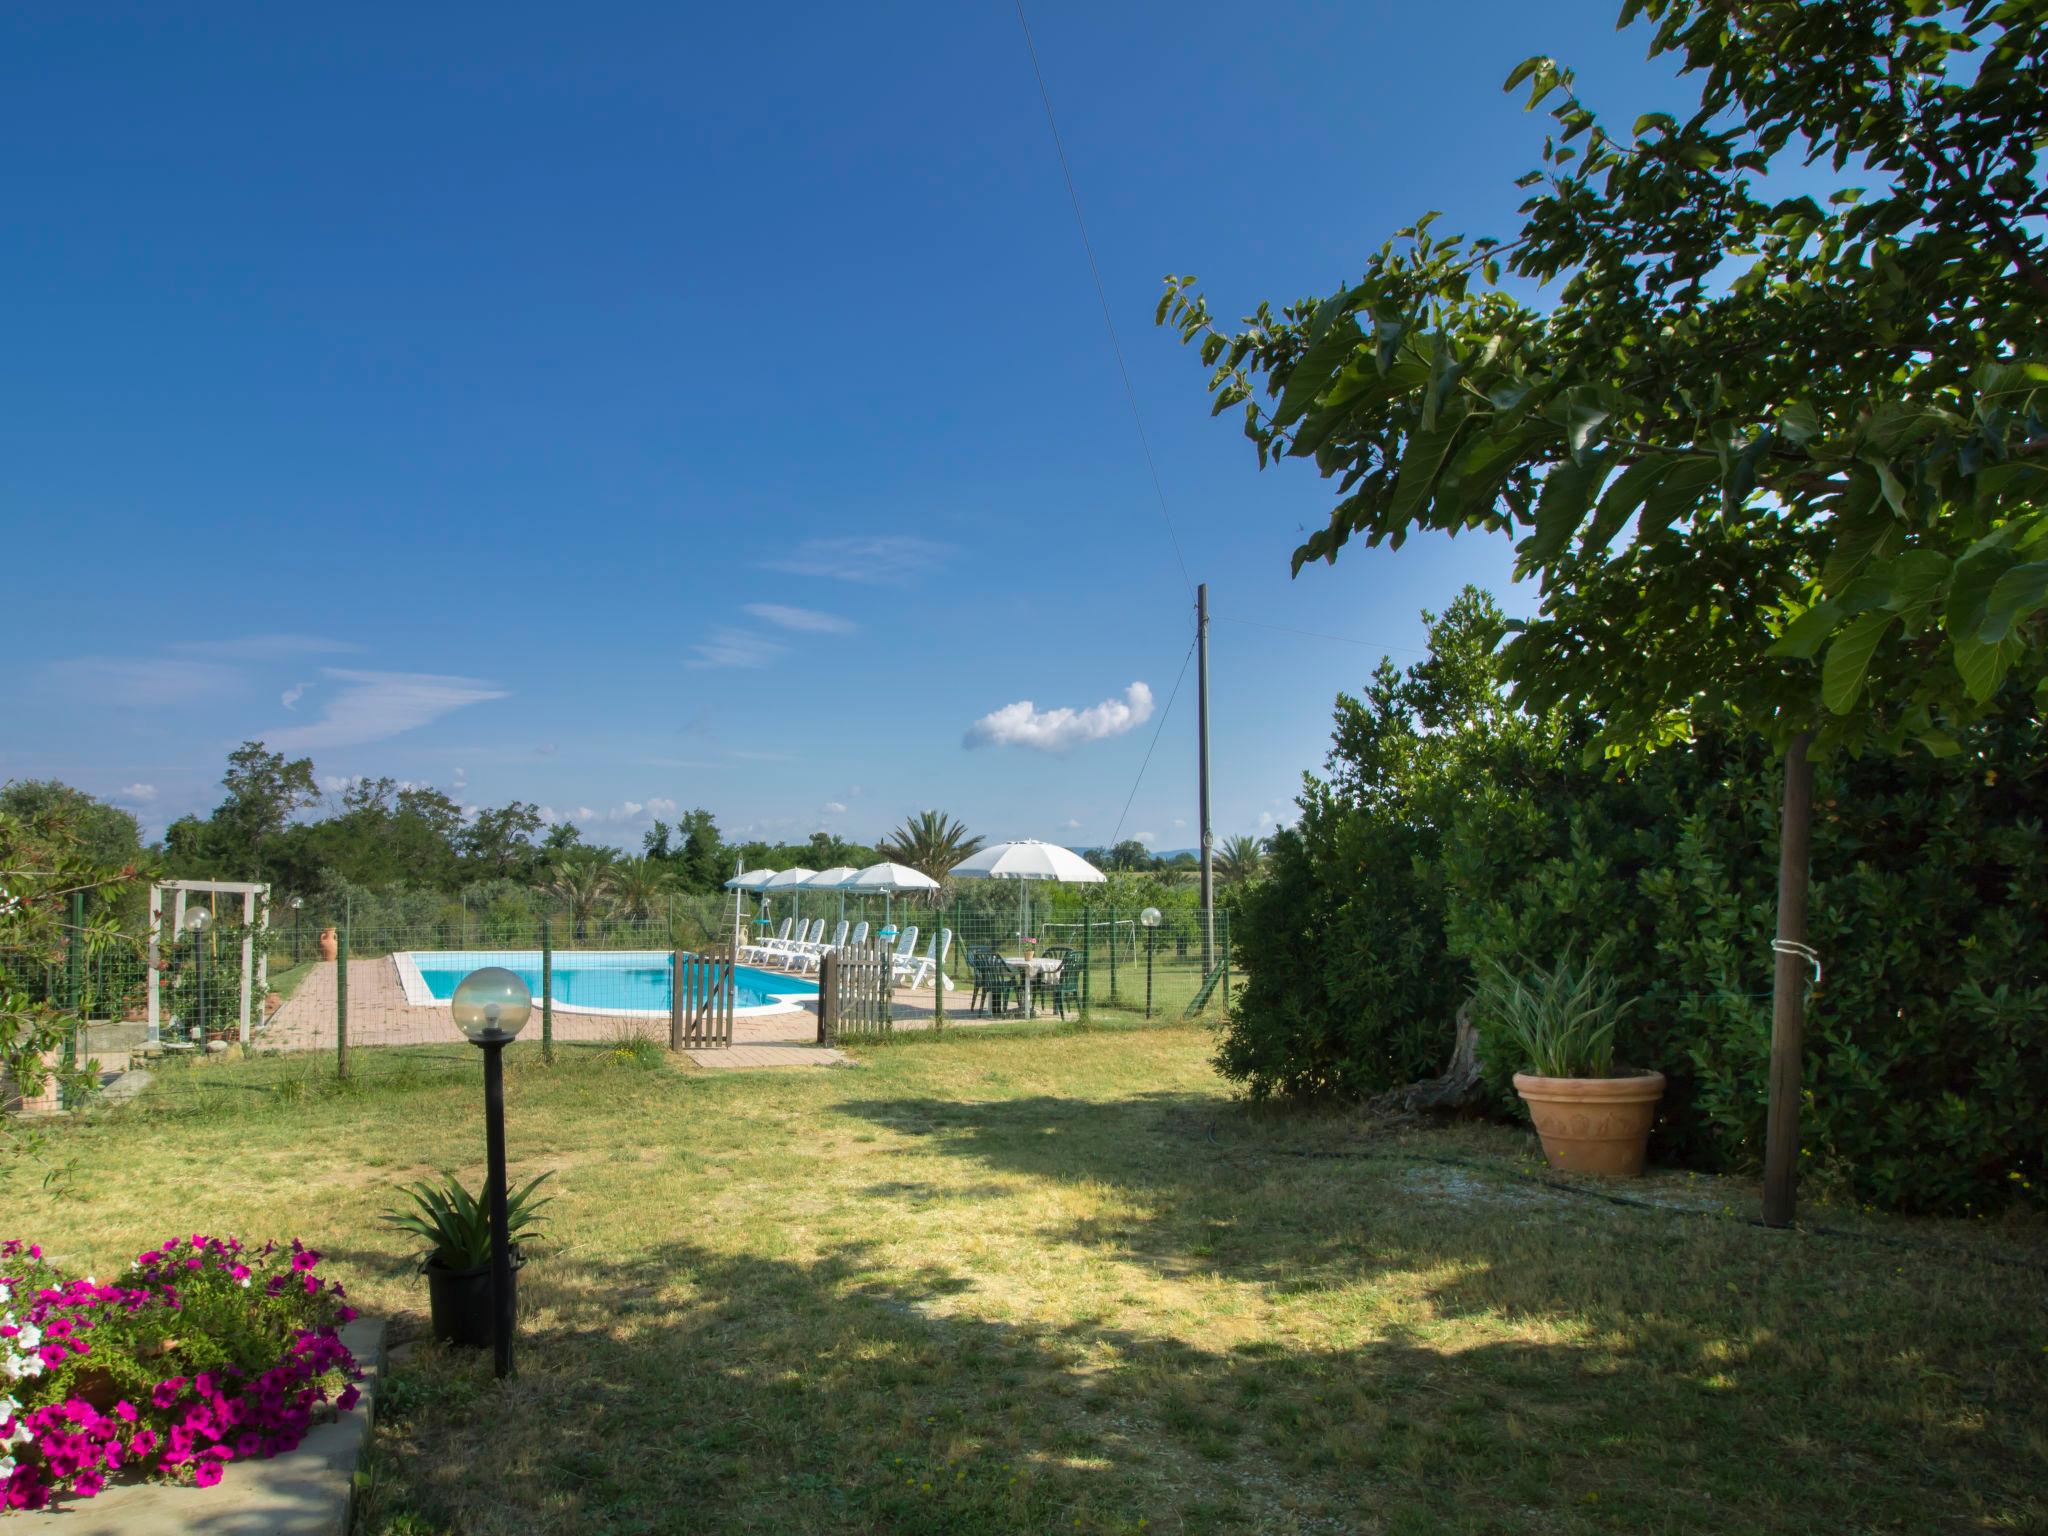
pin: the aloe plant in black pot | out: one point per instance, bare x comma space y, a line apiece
457, 1260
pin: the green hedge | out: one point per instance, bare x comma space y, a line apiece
1449, 832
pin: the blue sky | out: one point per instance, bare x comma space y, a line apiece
628, 405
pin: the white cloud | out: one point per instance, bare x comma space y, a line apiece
875, 560
734, 648
1071, 824
291, 696
1266, 819
661, 805
373, 705
137, 794
1179, 823
461, 779
167, 683
832, 808
1023, 724
1147, 838
809, 620
335, 783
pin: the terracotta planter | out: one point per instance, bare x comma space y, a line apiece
1593, 1124
47, 1102
329, 947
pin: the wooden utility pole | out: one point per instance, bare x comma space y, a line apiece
1788, 987
1202, 733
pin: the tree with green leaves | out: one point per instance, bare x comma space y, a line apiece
1776, 460
582, 884
931, 842
642, 885
1129, 854
1239, 859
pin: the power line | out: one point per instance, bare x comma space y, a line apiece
1161, 726
1314, 634
1102, 296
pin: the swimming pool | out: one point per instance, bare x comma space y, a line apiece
589, 981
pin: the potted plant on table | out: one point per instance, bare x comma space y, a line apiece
1591, 1116
457, 1260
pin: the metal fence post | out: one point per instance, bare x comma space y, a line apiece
1087, 953
341, 998
1226, 959
547, 992
1112, 954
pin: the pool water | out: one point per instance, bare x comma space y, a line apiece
589, 981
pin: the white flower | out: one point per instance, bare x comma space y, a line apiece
245, 1282
29, 1337
6, 1294
6, 1468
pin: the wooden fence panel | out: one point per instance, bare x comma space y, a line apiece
702, 998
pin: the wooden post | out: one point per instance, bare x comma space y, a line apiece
675, 1000
547, 991
828, 997
341, 999
1788, 988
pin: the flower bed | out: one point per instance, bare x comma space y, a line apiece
203, 1353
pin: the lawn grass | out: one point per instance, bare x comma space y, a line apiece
1020, 1280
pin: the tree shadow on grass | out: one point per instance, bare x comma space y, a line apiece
1908, 1370
687, 1388
692, 1390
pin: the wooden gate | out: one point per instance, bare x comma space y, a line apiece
701, 998
856, 991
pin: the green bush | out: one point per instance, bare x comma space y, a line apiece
1452, 835
1924, 1075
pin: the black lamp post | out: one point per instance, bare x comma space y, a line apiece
490, 1007
1150, 918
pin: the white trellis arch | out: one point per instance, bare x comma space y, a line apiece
255, 958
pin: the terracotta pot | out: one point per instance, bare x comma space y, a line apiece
329, 948
49, 1101
271, 1003
1593, 1124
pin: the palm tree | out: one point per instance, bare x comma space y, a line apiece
1239, 859
581, 884
931, 842
641, 884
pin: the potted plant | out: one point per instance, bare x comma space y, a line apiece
1590, 1116
457, 1260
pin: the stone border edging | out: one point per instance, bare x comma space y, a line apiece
304, 1492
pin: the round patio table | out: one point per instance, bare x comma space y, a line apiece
1029, 968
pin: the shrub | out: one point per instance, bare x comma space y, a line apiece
1453, 834
202, 1354
1560, 1021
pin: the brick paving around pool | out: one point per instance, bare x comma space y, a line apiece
378, 1014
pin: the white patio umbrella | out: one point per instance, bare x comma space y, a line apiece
831, 880
787, 883
1025, 860
742, 880
890, 880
